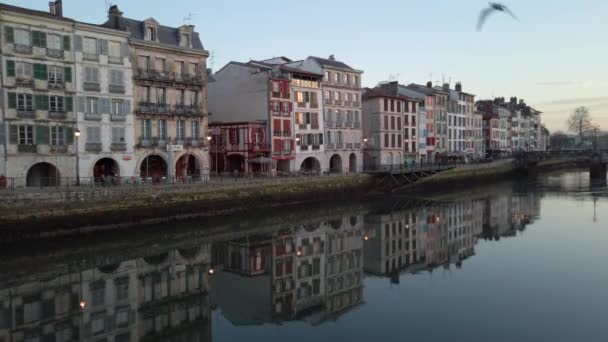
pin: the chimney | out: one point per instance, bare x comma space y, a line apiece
446, 87
429, 84
58, 8
209, 72
114, 15
459, 87
52, 7
332, 58
521, 102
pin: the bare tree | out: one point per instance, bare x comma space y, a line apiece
580, 121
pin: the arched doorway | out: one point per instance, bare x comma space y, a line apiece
187, 166
283, 166
236, 162
389, 159
106, 167
310, 164
42, 174
154, 167
352, 163
335, 164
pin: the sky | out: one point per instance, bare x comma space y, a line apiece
555, 57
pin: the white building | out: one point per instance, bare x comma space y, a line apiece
104, 92
342, 106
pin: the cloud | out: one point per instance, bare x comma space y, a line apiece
577, 101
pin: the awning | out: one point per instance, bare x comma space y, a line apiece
260, 160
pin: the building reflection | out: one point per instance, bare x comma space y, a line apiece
311, 272
155, 298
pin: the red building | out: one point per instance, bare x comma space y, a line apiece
283, 138
240, 146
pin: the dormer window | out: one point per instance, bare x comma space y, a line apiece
151, 33
184, 40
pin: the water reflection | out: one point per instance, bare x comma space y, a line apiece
312, 272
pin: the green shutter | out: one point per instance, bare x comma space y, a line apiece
12, 100
10, 68
69, 103
42, 135
42, 40
9, 34
13, 136
66, 43
67, 74
41, 72
69, 135
39, 39
41, 102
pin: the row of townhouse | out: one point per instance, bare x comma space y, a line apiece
84, 101
311, 110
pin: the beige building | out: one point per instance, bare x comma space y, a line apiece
169, 70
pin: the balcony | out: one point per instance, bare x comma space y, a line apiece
23, 49
161, 142
338, 102
92, 57
118, 118
357, 125
24, 82
27, 148
330, 146
348, 103
339, 146
314, 105
349, 124
118, 147
301, 105
145, 142
277, 133
60, 149
54, 53
304, 148
87, 86
286, 114
314, 126
117, 89
115, 60
187, 110
276, 113
92, 116
356, 104
193, 79
329, 124
316, 147
286, 133
153, 75
328, 101
339, 124
26, 113
179, 141
302, 126
152, 108
92, 147
287, 153
357, 146
349, 146
57, 115
57, 84
194, 142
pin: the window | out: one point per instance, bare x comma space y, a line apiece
114, 49
399, 141
118, 135
92, 105
26, 135
392, 140
31, 312
53, 41
386, 122
386, 105
196, 130
122, 288
146, 129
337, 77
287, 145
23, 70
392, 105
89, 45
399, 123
385, 140
151, 33
55, 74
160, 65
122, 318
162, 129
91, 75
24, 102
93, 136
97, 323
116, 77
184, 40
392, 122
180, 130
57, 137
118, 107
161, 96
56, 104
144, 62
22, 37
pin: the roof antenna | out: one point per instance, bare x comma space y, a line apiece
188, 18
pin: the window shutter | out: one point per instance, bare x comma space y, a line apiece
67, 74
19, 315
12, 100
35, 35
81, 104
69, 103
124, 47
126, 107
98, 47
48, 309
320, 138
69, 136
9, 34
42, 135
42, 39
106, 105
10, 68
78, 43
13, 136
104, 46
44, 102
40, 72
2, 139
66, 43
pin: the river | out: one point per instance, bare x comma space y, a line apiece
515, 261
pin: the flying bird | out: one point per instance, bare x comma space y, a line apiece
494, 7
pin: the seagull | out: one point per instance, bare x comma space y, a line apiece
493, 8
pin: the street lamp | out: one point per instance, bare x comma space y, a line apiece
76, 136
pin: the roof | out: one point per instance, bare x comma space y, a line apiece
383, 92
332, 63
246, 65
425, 90
299, 71
23, 10
166, 35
